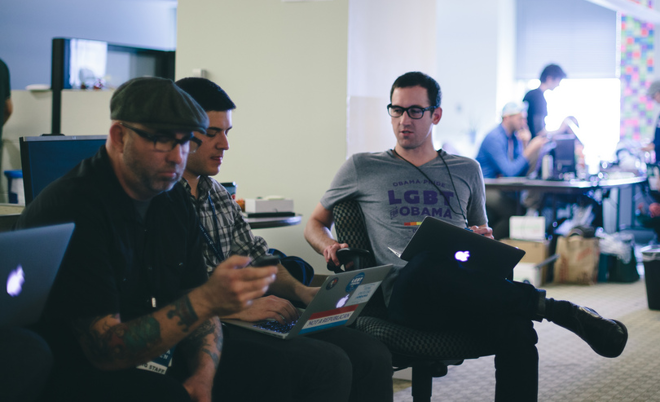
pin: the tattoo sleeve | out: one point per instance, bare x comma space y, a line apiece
206, 339
119, 342
183, 309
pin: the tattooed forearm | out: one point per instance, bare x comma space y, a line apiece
183, 309
124, 341
206, 339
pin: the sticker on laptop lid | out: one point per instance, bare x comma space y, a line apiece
328, 319
363, 293
332, 283
355, 282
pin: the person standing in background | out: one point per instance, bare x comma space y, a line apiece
7, 106
537, 107
654, 93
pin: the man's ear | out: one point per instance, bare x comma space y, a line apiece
117, 137
437, 115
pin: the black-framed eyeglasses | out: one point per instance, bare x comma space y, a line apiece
167, 142
415, 112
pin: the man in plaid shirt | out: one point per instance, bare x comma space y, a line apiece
336, 365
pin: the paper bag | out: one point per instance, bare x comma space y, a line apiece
578, 260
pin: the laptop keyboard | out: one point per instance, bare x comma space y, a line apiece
276, 326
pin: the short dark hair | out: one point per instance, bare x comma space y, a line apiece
552, 71
207, 93
416, 78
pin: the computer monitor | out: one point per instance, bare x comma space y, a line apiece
564, 154
49, 157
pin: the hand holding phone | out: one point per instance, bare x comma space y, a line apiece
264, 261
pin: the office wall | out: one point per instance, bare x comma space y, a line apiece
475, 56
386, 38
284, 65
27, 28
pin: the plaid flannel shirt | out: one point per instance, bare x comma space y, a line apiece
235, 234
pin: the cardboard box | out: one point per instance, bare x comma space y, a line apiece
262, 205
535, 252
527, 228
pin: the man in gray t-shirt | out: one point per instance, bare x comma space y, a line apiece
396, 189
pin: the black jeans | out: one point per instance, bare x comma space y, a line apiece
26, 363
337, 365
431, 294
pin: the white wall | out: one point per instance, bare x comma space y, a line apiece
475, 56
27, 28
387, 38
284, 65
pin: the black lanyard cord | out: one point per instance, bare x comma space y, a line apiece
438, 188
215, 246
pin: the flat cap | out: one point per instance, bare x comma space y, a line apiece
159, 104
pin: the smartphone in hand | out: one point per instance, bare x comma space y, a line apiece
264, 261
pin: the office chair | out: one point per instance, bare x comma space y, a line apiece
428, 353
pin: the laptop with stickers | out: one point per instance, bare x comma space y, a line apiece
468, 249
338, 303
30, 261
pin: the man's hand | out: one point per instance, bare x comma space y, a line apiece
330, 252
483, 230
534, 146
269, 307
200, 390
524, 135
231, 287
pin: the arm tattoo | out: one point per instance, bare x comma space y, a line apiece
185, 311
198, 342
121, 341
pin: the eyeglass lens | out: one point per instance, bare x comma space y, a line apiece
414, 112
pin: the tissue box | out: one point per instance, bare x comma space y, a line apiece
527, 272
527, 227
261, 205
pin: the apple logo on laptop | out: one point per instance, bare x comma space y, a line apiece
462, 256
15, 282
343, 301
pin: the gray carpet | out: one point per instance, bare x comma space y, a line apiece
569, 370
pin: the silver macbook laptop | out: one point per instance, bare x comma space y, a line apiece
30, 261
338, 303
470, 250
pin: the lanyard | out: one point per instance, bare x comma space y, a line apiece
217, 249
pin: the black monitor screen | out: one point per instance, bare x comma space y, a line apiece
564, 153
48, 158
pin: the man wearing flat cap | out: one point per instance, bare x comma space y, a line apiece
507, 152
132, 297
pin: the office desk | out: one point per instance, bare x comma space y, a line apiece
9, 214
265, 223
518, 184
558, 186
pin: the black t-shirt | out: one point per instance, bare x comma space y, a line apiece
656, 141
5, 93
116, 261
537, 110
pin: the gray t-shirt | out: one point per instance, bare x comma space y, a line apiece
395, 198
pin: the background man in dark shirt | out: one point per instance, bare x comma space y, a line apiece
537, 109
7, 106
122, 301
